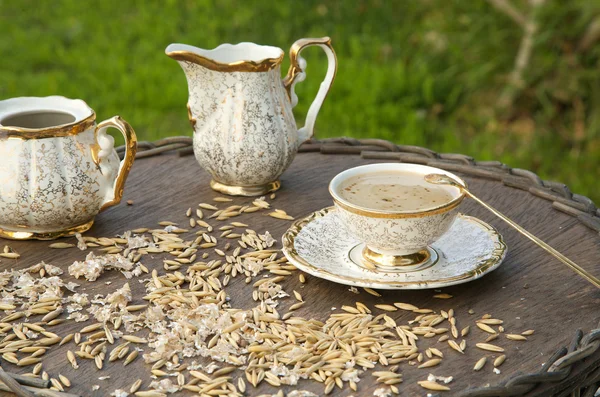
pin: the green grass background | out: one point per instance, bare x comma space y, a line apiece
417, 72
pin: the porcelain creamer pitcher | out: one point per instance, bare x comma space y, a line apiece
245, 134
58, 169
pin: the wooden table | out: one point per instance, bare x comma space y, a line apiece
530, 290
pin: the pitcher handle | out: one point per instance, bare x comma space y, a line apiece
297, 73
106, 142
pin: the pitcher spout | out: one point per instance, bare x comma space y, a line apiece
242, 57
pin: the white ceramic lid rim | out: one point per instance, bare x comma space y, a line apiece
76, 107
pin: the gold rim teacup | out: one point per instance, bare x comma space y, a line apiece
396, 240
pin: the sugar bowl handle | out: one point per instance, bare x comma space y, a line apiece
106, 143
297, 73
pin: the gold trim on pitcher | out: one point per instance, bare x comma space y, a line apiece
25, 235
240, 66
127, 162
191, 117
257, 190
63, 130
295, 68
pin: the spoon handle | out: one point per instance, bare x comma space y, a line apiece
578, 269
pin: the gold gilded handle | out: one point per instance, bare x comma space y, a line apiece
126, 163
296, 74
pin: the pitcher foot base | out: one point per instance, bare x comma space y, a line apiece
25, 235
257, 190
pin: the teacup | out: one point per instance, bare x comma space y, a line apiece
58, 168
395, 239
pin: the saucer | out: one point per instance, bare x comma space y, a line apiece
320, 245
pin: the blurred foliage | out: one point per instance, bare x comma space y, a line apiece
427, 72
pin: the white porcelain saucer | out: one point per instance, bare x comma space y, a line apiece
321, 246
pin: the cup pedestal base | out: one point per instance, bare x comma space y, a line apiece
257, 190
398, 263
29, 235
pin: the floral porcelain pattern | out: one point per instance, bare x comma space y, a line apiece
54, 179
53, 183
321, 246
244, 133
386, 235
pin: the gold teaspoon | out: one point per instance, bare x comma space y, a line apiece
440, 179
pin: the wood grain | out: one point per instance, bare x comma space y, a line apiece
531, 290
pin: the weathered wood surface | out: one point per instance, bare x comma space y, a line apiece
531, 290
